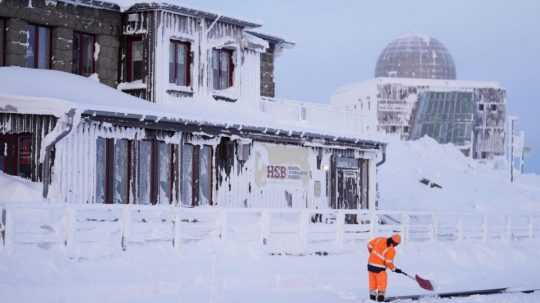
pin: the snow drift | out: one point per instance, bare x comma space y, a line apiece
467, 184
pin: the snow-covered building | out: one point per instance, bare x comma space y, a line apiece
415, 69
210, 132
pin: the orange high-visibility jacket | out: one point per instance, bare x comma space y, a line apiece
381, 255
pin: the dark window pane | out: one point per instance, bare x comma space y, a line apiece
87, 54
120, 194
100, 170
181, 67
205, 187
76, 53
187, 175
144, 172
31, 48
2, 47
136, 60
165, 173
44, 47
172, 55
215, 68
224, 66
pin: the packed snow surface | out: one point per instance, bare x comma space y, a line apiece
241, 274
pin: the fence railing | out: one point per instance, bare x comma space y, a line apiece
100, 228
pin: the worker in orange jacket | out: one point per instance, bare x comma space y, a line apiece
381, 256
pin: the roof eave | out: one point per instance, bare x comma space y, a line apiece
139, 7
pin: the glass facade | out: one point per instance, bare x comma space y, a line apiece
447, 117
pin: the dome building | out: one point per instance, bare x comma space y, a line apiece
415, 93
416, 56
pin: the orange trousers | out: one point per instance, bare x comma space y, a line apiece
377, 282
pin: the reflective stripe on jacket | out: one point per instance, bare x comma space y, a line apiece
381, 255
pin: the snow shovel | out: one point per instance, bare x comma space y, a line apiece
425, 284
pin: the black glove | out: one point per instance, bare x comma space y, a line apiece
398, 271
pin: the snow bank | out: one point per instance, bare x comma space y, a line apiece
19, 190
467, 185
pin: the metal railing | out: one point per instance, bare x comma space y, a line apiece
99, 227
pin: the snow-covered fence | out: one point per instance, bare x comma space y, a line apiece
103, 229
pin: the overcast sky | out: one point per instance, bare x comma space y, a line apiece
338, 42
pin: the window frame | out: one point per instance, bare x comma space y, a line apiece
81, 52
129, 57
231, 70
37, 45
3, 41
187, 58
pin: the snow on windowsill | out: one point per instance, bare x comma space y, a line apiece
231, 94
180, 88
137, 84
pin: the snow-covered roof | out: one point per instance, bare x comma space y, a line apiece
431, 83
272, 38
170, 5
36, 91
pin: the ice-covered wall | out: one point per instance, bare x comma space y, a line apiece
396, 101
159, 27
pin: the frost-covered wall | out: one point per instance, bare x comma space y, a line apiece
159, 27
63, 18
207, 170
396, 102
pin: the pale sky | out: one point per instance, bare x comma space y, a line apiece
338, 42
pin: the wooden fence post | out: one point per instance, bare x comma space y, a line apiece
177, 230
372, 224
264, 226
9, 229
531, 227
69, 222
485, 231
404, 227
508, 228
223, 224
460, 236
125, 219
302, 221
435, 227
340, 230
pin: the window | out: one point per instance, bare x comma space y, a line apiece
494, 107
150, 166
16, 154
196, 175
83, 54
135, 59
179, 63
480, 107
222, 68
38, 52
2, 42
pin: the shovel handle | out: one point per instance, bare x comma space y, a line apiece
409, 276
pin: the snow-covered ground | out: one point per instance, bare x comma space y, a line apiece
235, 273
152, 274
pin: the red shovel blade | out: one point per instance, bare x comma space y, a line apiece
425, 284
